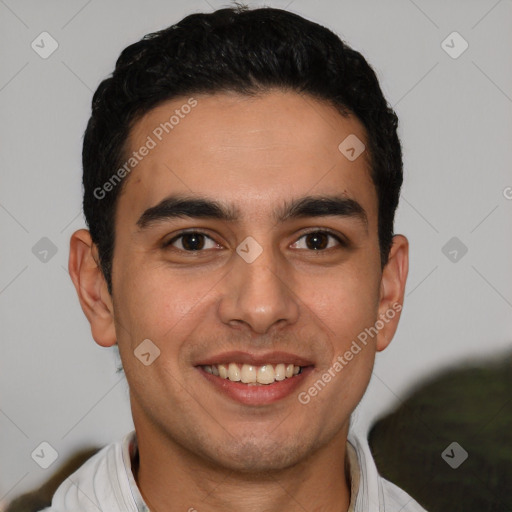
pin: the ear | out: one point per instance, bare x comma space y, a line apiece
91, 287
392, 290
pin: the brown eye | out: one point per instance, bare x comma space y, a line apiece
317, 241
192, 241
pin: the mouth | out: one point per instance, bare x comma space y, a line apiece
254, 380
263, 375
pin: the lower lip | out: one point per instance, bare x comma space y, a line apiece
259, 394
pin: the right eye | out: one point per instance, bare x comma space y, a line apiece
191, 241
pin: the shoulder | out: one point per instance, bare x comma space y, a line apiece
99, 484
375, 493
396, 499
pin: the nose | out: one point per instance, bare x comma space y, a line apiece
259, 295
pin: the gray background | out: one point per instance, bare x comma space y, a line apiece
60, 387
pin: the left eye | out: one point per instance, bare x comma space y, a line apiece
192, 241
317, 241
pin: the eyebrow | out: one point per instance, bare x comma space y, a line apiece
178, 206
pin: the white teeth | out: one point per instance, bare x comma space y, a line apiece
266, 374
280, 372
249, 374
223, 371
234, 372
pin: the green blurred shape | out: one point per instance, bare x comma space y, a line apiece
471, 405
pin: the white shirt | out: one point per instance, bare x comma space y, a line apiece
105, 482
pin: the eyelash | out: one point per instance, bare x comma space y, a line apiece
328, 232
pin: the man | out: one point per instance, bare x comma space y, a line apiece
241, 173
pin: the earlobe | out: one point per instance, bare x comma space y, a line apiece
392, 290
91, 287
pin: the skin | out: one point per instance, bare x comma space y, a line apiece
199, 448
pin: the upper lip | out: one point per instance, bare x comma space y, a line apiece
238, 356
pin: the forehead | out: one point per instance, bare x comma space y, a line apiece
252, 151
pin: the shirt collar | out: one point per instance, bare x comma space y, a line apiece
354, 474
131, 459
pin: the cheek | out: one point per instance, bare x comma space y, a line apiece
345, 299
162, 305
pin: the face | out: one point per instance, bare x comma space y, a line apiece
245, 238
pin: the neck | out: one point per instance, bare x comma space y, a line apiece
170, 477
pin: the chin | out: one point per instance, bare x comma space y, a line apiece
253, 456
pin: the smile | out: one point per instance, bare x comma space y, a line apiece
250, 374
